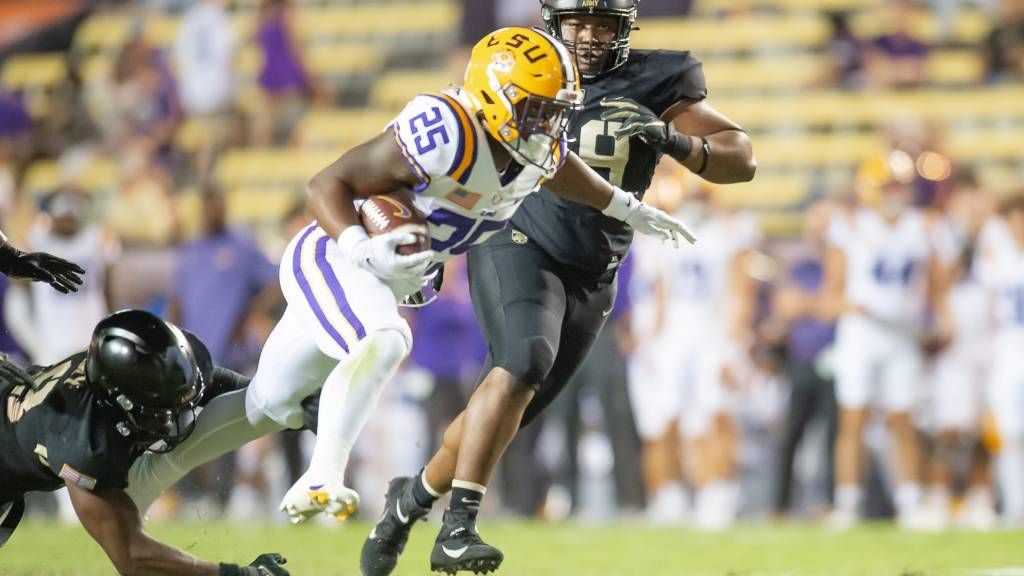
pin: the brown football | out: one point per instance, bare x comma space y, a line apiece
395, 211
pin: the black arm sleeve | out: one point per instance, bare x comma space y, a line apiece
223, 381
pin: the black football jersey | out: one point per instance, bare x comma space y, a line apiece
55, 432
580, 236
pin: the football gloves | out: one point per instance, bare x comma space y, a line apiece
12, 374
646, 219
379, 254
269, 565
640, 121
62, 275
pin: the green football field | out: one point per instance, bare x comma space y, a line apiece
560, 550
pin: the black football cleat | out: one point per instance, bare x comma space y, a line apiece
459, 547
387, 539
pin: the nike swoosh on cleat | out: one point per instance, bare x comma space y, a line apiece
457, 553
401, 517
468, 501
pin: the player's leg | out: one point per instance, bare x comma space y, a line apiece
900, 376
291, 366
717, 501
854, 371
1006, 401
354, 318
10, 516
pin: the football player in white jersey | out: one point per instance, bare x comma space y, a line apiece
883, 266
469, 156
1001, 269
959, 376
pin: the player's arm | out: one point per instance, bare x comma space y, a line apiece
692, 133
373, 168
578, 182
832, 300
728, 156
114, 522
743, 289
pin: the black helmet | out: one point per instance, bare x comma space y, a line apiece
146, 371
553, 11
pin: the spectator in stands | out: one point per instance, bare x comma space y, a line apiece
221, 281
846, 53
145, 97
284, 78
141, 212
204, 52
1004, 46
806, 340
896, 59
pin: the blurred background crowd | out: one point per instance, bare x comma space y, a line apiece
164, 146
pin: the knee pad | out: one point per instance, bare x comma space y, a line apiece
389, 347
530, 360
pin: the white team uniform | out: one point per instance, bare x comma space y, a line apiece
64, 322
333, 304
687, 357
1001, 269
878, 357
961, 370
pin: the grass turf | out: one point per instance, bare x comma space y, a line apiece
44, 549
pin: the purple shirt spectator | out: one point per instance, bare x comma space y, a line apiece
215, 279
808, 336
900, 46
14, 119
282, 67
449, 344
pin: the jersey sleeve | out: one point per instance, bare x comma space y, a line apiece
679, 77
437, 138
90, 457
839, 232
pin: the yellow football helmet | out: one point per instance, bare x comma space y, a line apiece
524, 87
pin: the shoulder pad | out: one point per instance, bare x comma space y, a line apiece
437, 137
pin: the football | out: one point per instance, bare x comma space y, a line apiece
395, 211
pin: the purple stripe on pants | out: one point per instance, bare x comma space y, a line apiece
335, 286
308, 292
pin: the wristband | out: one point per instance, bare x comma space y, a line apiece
229, 570
706, 147
622, 204
349, 237
8, 255
680, 146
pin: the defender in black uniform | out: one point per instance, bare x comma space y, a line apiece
543, 287
81, 423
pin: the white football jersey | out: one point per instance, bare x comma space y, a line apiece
65, 322
887, 264
699, 275
463, 197
1000, 266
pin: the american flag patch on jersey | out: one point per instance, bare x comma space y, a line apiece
72, 476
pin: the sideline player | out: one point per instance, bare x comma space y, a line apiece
470, 156
543, 287
885, 263
1001, 269
80, 423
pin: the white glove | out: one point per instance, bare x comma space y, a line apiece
379, 254
646, 219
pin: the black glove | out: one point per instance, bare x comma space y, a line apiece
264, 565
12, 374
640, 121
41, 267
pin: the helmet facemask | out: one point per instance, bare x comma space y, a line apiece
538, 124
612, 54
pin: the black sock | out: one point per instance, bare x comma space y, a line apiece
465, 501
420, 494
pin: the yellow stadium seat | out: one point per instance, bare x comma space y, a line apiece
343, 60
989, 144
390, 19
248, 60
42, 176
394, 90
161, 30
96, 67
777, 224
817, 149
256, 205
269, 167
764, 73
34, 71
770, 191
106, 30
706, 35
341, 129
955, 67
969, 26
704, 6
